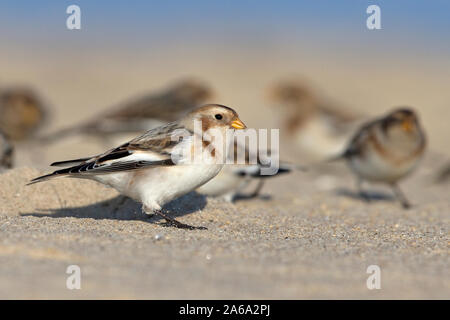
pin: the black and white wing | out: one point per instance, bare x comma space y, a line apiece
152, 149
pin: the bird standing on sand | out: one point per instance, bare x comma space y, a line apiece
233, 178
317, 128
387, 150
6, 153
144, 168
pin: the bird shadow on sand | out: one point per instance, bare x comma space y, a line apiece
367, 196
123, 208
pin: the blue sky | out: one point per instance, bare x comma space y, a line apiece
152, 23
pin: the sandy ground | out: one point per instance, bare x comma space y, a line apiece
311, 238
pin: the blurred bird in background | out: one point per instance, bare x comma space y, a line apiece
386, 150
317, 128
234, 178
6, 153
142, 114
22, 113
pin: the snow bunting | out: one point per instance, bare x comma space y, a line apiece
161, 164
142, 114
22, 113
6, 153
318, 130
233, 178
386, 150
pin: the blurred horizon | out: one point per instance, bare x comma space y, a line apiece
150, 24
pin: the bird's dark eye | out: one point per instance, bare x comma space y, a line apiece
218, 116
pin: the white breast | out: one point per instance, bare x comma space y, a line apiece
373, 167
157, 186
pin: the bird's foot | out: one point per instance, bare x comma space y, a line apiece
170, 222
177, 224
365, 196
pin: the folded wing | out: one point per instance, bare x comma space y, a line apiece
152, 149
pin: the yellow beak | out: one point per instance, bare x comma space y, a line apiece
238, 124
407, 125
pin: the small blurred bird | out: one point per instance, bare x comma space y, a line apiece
22, 113
6, 153
139, 115
387, 150
234, 178
319, 130
144, 168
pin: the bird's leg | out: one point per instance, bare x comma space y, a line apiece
258, 189
363, 194
236, 193
172, 221
401, 196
